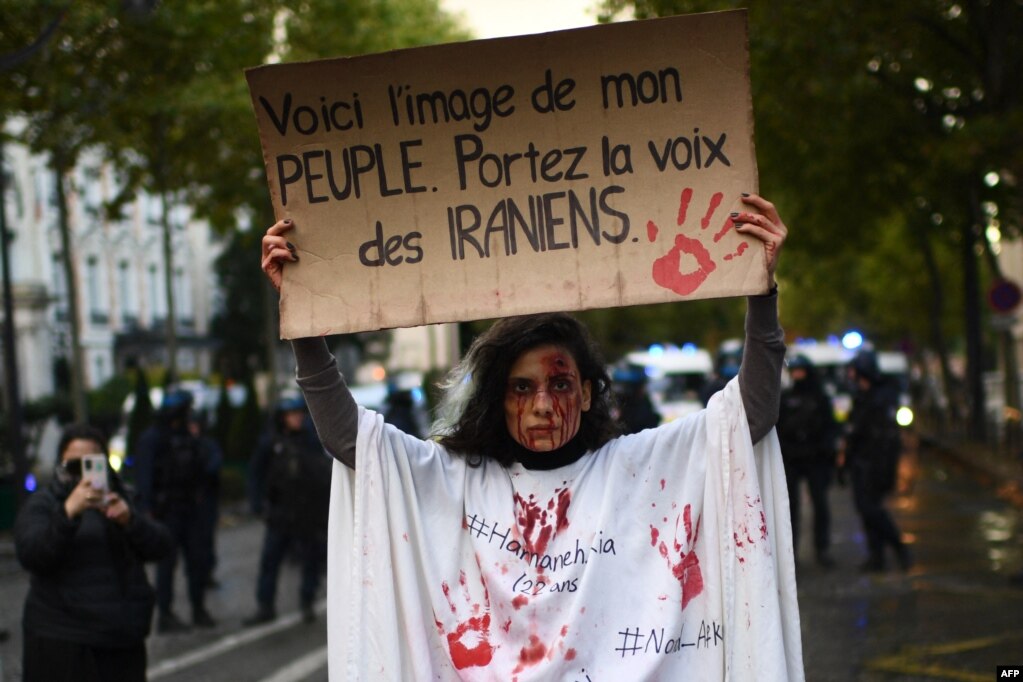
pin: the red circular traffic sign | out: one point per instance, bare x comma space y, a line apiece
1004, 296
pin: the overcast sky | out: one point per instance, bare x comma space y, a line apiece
497, 18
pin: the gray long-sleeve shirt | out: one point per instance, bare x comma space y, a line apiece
336, 415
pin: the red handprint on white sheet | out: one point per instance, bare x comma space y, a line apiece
681, 558
540, 522
667, 271
469, 643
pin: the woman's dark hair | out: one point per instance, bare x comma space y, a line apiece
478, 429
81, 432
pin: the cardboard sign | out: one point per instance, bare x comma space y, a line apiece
578, 169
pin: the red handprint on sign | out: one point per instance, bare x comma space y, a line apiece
667, 270
469, 643
686, 568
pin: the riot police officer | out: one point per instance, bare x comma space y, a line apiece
808, 433
290, 486
171, 475
873, 446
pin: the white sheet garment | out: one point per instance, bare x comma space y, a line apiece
664, 555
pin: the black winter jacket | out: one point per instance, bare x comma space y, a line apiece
291, 476
88, 580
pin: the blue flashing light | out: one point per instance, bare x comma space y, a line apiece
650, 371
417, 394
656, 349
833, 340
689, 348
852, 340
31, 483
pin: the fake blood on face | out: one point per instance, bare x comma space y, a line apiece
545, 398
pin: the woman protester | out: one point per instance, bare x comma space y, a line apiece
528, 540
89, 606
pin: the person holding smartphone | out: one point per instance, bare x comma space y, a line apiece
89, 605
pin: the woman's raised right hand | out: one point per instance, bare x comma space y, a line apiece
277, 251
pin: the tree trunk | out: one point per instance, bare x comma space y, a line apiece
168, 278
974, 336
79, 404
15, 417
953, 396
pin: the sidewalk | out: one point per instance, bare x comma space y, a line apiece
1001, 472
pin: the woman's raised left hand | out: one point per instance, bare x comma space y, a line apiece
766, 225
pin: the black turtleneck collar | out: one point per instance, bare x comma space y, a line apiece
545, 461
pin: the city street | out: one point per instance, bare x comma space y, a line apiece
952, 617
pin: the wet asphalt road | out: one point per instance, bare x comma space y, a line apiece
953, 616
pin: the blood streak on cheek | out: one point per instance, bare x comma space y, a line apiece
523, 433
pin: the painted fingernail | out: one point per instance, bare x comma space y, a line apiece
287, 221
294, 256
734, 214
290, 245
739, 224
745, 194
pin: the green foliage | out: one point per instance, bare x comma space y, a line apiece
105, 403
59, 88
875, 125
238, 322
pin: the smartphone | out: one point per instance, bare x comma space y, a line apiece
94, 469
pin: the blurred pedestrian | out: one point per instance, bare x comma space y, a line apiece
873, 444
172, 477
212, 456
808, 434
635, 410
290, 486
90, 604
